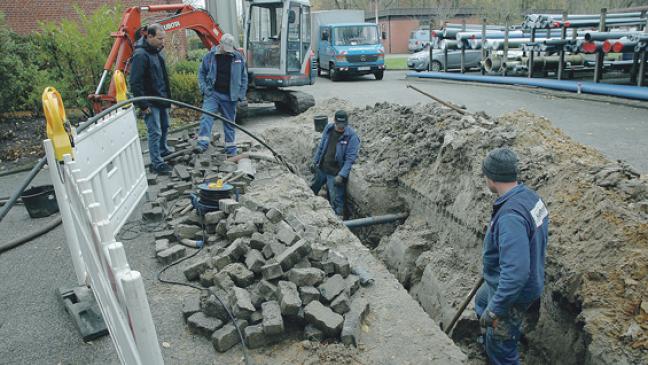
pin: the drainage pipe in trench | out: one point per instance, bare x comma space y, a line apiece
369, 221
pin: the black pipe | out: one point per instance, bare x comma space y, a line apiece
369, 221
30, 236
14, 197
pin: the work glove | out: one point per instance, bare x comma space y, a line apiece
339, 180
488, 319
312, 168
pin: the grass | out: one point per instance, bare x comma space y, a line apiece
396, 63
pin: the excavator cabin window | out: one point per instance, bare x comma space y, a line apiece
264, 50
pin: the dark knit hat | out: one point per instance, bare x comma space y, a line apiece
500, 165
341, 117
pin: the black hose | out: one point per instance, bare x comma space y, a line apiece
30, 236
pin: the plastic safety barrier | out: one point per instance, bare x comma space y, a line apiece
98, 183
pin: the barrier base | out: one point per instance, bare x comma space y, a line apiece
82, 307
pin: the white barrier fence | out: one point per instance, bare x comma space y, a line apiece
97, 189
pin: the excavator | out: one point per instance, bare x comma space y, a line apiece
276, 46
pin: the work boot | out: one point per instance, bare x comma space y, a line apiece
199, 149
162, 169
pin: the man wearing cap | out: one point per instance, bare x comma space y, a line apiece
223, 81
513, 257
333, 159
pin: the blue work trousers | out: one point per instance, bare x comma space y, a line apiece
157, 126
501, 342
336, 193
218, 103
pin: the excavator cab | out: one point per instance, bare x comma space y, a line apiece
277, 43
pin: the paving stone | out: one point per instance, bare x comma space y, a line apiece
340, 263
193, 218
171, 254
306, 277
190, 305
332, 287
323, 318
221, 228
274, 215
255, 296
295, 223
340, 304
255, 337
169, 195
228, 167
268, 290
272, 319
293, 254
186, 231
256, 317
228, 206
289, 298
254, 261
252, 203
318, 252
152, 213
271, 271
241, 230
308, 294
212, 307
151, 179
220, 261
273, 249
240, 274
245, 215
161, 245
303, 264
224, 281
286, 234
193, 271
202, 325
312, 333
182, 187
214, 217
181, 172
259, 241
237, 249
241, 304
208, 277
226, 337
166, 234
352, 284
351, 328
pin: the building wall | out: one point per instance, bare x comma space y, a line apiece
399, 28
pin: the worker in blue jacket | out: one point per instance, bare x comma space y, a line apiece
333, 159
223, 82
514, 257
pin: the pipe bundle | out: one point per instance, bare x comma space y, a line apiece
550, 21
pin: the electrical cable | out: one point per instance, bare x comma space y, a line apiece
30, 236
229, 313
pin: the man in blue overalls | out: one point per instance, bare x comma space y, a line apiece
223, 81
514, 257
333, 159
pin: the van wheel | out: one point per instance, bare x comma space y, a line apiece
333, 75
379, 74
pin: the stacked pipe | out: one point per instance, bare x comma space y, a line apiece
551, 21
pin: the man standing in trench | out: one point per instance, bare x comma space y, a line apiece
333, 159
148, 77
223, 81
514, 257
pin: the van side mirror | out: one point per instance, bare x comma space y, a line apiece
384, 35
291, 17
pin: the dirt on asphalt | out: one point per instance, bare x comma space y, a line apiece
595, 304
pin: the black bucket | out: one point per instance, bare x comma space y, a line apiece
320, 122
40, 201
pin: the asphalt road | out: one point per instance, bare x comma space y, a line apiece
34, 327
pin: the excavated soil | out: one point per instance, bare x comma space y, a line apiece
427, 159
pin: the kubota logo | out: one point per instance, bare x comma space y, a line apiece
171, 25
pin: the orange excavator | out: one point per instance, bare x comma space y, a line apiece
276, 47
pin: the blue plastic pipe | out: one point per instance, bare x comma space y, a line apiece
587, 87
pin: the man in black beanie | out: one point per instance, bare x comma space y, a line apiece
513, 256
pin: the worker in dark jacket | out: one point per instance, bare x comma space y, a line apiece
333, 159
223, 81
148, 77
513, 257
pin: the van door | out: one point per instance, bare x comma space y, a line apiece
324, 47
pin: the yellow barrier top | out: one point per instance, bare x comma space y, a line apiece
55, 117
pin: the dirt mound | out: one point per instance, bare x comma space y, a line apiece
595, 304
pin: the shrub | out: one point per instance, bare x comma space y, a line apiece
197, 54
184, 87
186, 67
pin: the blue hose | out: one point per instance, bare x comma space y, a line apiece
587, 87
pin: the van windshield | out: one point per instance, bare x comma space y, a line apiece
355, 35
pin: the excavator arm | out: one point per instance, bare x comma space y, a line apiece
180, 16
